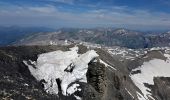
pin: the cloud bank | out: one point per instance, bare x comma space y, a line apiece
58, 16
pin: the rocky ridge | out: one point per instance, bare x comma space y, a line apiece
108, 75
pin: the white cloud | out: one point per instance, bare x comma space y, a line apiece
44, 9
51, 15
62, 1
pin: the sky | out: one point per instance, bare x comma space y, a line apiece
131, 14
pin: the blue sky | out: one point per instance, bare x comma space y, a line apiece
132, 14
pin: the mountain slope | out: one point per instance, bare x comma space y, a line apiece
108, 73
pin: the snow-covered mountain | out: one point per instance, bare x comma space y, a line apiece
84, 72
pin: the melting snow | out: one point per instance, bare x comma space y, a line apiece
140, 96
107, 65
73, 89
51, 66
125, 53
149, 70
77, 97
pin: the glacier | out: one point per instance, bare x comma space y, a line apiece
66, 66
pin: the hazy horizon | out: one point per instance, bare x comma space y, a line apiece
137, 15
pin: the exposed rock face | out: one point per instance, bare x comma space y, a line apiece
161, 88
108, 76
96, 76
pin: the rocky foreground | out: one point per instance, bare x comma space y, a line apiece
78, 72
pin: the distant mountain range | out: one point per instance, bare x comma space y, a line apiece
84, 64
103, 36
14, 33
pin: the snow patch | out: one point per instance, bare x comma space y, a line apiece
140, 96
124, 53
149, 70
52, 66
77, 97
72, 89
107, 65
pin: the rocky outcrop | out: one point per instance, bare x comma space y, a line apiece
161, 88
